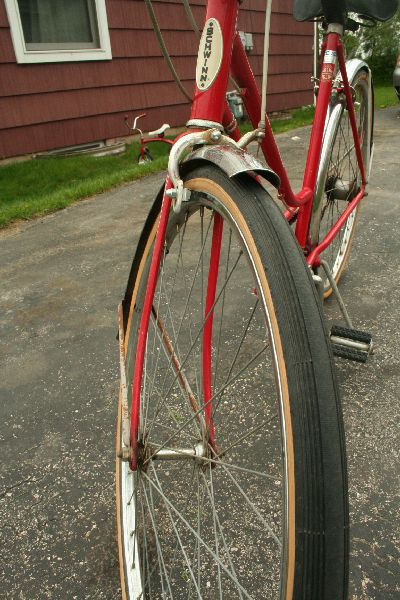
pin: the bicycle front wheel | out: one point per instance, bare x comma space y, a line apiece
258, 509
339, 177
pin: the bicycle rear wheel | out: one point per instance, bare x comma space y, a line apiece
146, 158
262, 512
339, 177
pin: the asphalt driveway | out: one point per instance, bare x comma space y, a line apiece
61, 278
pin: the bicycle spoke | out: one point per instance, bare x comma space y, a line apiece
159, 549
145, 557
247, 435
178, 537
220, 529
198, 336
191, 287
238, 350
222, 310
200, 259
217, 395
190, 325
193, 531
212, 504
196, 547
174, 364
187, 501
253, 508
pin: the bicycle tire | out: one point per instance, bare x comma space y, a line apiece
339, 177
311, 513
146, 158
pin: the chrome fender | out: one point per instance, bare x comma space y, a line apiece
232, 161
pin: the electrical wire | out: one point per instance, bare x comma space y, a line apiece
164, 50
265, 64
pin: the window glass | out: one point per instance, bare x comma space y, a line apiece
59, 24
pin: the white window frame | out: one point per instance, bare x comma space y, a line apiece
24, 55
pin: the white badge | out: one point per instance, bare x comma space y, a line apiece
210, 55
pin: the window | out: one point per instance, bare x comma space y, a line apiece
59, 30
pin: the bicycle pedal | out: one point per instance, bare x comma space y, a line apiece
351, 344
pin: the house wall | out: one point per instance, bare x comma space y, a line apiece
47, 106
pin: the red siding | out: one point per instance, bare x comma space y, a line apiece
45, 106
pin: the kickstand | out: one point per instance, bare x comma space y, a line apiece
337, 294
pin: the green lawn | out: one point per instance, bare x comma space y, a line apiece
40, 186
384, 96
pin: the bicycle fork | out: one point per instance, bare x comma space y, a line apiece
144, 324
130, 433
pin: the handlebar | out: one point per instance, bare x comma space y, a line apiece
133, 127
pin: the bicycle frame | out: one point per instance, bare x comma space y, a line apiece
210, 106
209, 110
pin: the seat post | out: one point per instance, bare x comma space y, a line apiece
336, 28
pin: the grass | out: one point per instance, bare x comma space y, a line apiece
384, 95
298, 117
38, 187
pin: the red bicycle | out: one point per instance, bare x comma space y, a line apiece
231, 469
158, 135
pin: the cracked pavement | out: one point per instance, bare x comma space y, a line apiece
62, 277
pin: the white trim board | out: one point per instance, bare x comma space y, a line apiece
23, 55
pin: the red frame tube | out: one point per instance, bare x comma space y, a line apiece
144, 141
317, 132
313, 257
158, 139
208, 328
243, 74
210, 104
144, 322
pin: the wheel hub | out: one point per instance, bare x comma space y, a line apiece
147, 452
340, 189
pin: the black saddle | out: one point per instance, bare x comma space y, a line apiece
335, 11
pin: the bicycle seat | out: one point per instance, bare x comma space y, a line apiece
378, 10
160, 131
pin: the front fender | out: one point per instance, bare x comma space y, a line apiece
232, 161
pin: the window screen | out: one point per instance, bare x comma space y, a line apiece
59, 24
